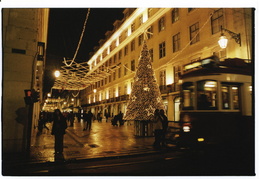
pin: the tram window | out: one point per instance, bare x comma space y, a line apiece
230, 96
235, 97
225, 97
188, 95
207, 94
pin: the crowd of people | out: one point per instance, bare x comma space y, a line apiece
61, 120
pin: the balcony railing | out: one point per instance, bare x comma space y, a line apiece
110, 100
165, 89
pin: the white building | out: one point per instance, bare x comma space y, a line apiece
175, 36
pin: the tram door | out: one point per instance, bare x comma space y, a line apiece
177, 109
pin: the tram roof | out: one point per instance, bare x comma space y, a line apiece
212, 66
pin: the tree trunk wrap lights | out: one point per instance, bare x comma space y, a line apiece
145, 96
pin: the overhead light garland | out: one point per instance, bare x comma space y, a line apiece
80, 39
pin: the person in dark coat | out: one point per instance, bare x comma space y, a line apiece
88, 118
120, 118
164, 126
58, 130
71, 118
158, 129
99, 117
106, 115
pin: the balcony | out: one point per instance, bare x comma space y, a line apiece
166, 89
110, 100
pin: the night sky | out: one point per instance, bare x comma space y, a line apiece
65, 27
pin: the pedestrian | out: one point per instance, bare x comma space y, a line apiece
88, 118
78, 116
85, 116
71, 118
115, 120
120, 118
106, 115
42, 122
164, 126
58, 130
158, 129
99, 117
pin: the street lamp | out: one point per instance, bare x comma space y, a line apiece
57, 73
223, 39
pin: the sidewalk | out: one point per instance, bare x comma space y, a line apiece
103, 141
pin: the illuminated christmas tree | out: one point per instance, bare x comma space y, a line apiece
145, 96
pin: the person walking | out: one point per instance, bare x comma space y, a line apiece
164, 126
88, 118
71, 118
158, 129
115, 120
58, 130
120, 118
99, 117
106, 115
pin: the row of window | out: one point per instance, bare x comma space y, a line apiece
216, 22
108, 94
206, 95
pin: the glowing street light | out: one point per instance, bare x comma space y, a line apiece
223, 39
57, 73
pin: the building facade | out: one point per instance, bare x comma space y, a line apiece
174, 36
24, 46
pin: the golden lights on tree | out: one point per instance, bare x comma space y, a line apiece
145, 96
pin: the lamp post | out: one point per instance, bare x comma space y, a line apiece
223, 39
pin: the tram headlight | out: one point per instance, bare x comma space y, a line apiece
200, 139
186, 128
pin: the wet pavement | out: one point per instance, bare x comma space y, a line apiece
103, 140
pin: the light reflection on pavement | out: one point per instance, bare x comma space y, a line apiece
103, 140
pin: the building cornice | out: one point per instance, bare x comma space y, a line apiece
121, 29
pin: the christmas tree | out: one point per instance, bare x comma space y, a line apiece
145, 96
